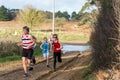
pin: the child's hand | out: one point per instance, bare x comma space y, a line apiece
58, 48
43, 49
28, 47
19, 44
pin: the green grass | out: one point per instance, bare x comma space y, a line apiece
88, 68
9, 59
9, 51
37, 51
18, 57
63, 36
88, 77
15, 58
73, 37
87, 73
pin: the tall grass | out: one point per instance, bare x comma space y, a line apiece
9, 50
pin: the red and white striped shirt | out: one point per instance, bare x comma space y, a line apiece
27, 41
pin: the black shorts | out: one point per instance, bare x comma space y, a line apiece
28, 53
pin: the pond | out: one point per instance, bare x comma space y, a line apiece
74, 48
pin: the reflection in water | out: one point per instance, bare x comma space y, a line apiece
80, 48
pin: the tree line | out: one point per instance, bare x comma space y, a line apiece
7, 14
11, 14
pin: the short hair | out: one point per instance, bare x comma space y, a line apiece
26, 28
34, 37
45, 38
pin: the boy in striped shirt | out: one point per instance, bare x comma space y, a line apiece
27, 53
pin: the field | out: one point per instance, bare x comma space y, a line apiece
10, 34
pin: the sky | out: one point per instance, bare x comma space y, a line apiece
46, 5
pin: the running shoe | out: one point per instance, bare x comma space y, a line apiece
25, 74
48, 66
54, 69
30, 68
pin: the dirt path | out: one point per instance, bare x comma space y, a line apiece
15, 65
72, 62
69, 70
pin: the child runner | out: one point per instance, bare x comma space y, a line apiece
56, 50
45, 46
33, 61
27, 53
51, 37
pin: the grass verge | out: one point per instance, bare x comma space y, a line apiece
18, 57
87, 73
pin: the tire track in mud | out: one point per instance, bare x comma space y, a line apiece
21, 68
67, 71
40, 70
60, 67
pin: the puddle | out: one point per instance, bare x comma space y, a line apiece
74, 48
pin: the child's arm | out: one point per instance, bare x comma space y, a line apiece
19, 44
41, 46
61, 47
51, 47
33, 42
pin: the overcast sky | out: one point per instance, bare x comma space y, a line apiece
62, 5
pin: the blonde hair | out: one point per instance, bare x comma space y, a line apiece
45, 38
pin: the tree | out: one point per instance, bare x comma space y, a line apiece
64, 14
7, 14
75, 16
59, 14
106, 35
88, 18
85, 19
29, 16
3, 14
84, 7
12, 13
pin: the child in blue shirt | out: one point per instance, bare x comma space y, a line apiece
45, 46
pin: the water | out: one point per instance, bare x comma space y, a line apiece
73, 48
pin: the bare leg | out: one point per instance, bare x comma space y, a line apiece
30, 67
24, 64
47, 58
28, 61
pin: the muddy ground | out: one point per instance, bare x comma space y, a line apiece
72, 64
